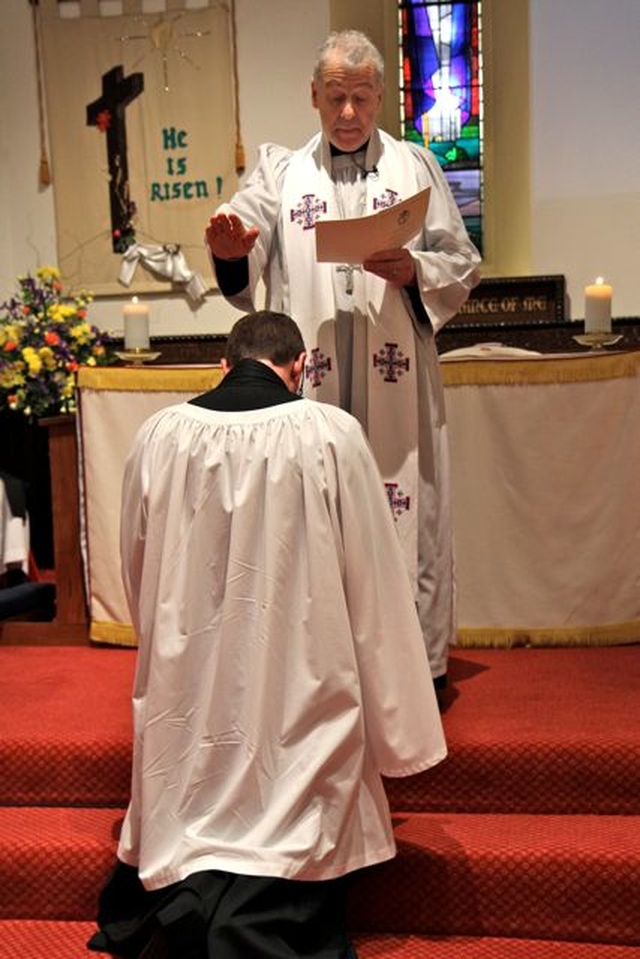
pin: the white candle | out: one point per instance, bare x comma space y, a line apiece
136, 325
597, 307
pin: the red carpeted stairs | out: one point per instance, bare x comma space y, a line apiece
523, 844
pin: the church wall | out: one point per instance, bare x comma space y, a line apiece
585, 171
583, 204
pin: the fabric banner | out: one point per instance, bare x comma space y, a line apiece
140, 111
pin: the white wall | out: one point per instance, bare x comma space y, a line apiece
26, 224
585, 190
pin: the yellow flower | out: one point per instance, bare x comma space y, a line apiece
9, 333
81, 333
68, 388
47, 274
10, 377
59, 312
33, 361
48, 357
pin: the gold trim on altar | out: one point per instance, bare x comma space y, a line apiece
544, 369
156, 379
511, 637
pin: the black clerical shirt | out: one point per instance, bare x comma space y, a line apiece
250, 385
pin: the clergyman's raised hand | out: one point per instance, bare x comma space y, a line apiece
228, 238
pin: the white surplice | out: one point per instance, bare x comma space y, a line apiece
281, 667
368, 351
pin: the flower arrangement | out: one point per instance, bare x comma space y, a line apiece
44, 338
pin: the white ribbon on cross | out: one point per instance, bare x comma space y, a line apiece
167, 261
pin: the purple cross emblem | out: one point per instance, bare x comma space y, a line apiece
307, 211
385, 200
391, 362
317, 367
397, 500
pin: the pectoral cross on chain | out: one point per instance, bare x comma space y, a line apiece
349, 269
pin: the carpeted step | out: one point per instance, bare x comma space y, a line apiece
25, 939
529, 731
530, 777
536, 731
458, 947
65, 725
42, 939
535, 877
565, 878
54, 861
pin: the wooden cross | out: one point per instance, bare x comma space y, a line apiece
108, 114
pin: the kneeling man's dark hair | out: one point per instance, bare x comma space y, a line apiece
264, 335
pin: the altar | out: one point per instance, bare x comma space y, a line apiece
545, 468
545, 465
113, 404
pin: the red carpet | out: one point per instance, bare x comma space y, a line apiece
57, 940
523, 844
65, 730
537, 731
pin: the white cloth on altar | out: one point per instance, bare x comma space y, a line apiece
281, 667
368, 352
486, 351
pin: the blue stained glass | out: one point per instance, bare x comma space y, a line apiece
441, 94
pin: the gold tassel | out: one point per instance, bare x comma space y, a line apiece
240, 157
45, 173
240, 160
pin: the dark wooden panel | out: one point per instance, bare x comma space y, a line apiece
535, 300
185, 350
543, 338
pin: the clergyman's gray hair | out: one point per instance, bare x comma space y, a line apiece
352, 47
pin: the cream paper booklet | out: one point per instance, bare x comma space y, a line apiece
352, 241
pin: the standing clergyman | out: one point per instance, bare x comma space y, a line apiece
369, 328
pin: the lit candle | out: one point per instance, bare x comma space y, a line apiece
597, 307
136, 325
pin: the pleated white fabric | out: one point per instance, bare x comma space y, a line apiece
281, 667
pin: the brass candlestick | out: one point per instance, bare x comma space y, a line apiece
138, 355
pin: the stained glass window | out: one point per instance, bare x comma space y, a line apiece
441, 94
